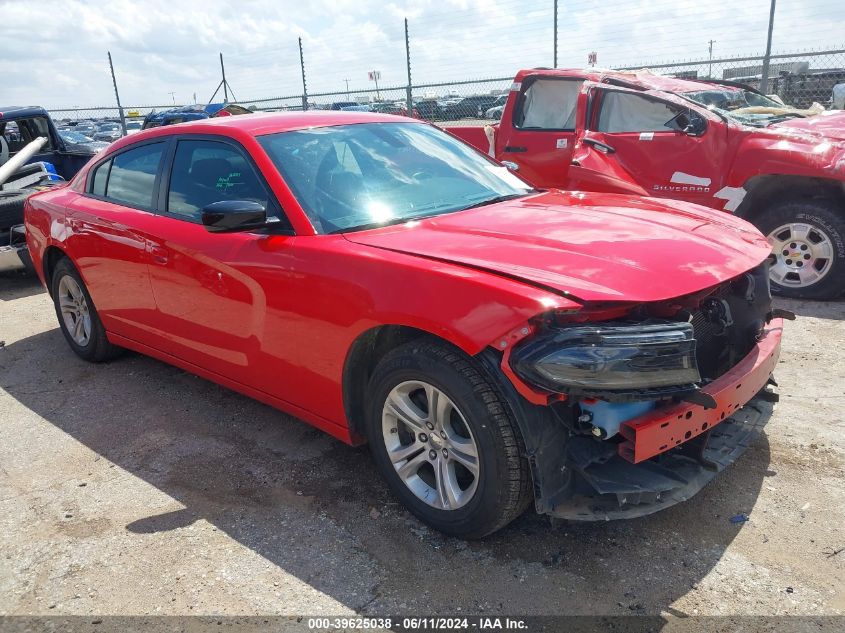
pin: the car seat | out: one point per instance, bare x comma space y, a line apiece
337, 191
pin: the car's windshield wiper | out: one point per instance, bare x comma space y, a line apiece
783, 117
496, 199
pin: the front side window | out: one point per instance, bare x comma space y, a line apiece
350, 177
549, 104
41, 128
625, 112
132, 177
210, 171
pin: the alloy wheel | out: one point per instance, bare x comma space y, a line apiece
803, 255
75, 312
430, 445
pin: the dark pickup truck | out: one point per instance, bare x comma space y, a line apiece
19, 126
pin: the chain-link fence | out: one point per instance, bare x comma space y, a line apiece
799, 79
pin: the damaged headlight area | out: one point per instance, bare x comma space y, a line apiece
616, 361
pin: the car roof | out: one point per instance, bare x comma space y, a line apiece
642, 78
13, 112
259, 124
271, 122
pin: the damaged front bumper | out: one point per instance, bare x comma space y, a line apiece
669, 454
665, 456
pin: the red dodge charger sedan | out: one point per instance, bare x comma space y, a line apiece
495, 344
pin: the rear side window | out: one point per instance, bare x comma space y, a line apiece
101, 175
623, 112
209, 171
12, 134
131, 179
549, 104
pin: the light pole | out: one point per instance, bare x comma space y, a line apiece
764, 79
555, 38
347, 89
710, 69
375, 75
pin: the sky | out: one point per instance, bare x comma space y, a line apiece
54, 52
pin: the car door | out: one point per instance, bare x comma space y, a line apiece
539, 134
657, 144
210, 309
108, 225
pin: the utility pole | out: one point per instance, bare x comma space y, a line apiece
117, 96
304, 88
347, 89
710, 69
409, 101
225, 85
764, 79
555, 43
173, 97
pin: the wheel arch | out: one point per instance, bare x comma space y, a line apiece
52, 255
364, 354
763, 190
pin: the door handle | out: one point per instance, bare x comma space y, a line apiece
159, 255
602, 147
512, 148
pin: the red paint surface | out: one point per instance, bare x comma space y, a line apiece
275, 316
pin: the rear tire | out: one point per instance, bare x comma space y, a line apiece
78, 318
462, 470
808, 244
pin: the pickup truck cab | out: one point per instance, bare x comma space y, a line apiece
719, 144
22, 125
60, 159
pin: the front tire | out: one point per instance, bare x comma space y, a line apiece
78, 318
808, 247
444, 440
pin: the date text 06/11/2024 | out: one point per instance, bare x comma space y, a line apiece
418, 623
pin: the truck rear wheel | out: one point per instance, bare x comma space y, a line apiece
808, 246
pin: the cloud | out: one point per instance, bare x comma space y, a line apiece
54, 51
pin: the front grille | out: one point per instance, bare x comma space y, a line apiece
710, 346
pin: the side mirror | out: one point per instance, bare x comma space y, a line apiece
697, 125
689, 123
230, 216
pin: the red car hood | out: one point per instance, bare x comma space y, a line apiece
830, 125
598, 247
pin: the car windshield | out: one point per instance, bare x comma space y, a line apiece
352, 177
109, 127
745, 106
133, 125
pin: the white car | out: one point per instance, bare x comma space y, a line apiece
133, 127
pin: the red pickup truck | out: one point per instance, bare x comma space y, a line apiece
720, 144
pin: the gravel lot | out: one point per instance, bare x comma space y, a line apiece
135, 488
